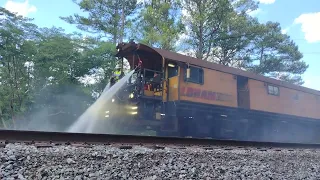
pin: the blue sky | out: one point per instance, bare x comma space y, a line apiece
299, 19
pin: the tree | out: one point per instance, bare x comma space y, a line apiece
109, 17
16, 51
243, 7
40, 71
229, 36
160, 24
203, 19
59, 64
233, 44
275, 55
98, 61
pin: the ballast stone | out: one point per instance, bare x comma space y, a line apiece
107, 162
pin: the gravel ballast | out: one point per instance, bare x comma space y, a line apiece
19, 161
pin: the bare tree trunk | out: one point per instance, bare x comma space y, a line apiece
115, 35
15, 67
2, 120
12, 95
122, 25
261, 54
200, 49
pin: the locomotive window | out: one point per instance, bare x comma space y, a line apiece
196, 75
172, 70
273, 90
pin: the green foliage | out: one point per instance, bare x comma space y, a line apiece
41, 71
107, 17
274, 54
204, 20
16, 51
221, 31
159, 24
232, 44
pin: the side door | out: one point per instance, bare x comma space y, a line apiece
243, 92
171, 82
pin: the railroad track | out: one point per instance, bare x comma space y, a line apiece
48, 139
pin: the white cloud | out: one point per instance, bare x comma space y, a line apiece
267, 1
285, 30
181, 39
255, 12
189, 52
21, 8
310, 25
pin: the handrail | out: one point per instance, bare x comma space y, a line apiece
145, 69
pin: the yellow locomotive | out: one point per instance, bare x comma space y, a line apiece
178, 95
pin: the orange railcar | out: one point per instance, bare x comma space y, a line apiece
203, 99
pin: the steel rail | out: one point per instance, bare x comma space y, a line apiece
42, 136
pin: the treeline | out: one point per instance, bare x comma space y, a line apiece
221, 31
43, 70
42, 73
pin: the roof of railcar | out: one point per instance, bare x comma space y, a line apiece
126, 48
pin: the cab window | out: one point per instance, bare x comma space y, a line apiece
196, 75
172, 70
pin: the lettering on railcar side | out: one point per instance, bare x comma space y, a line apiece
204, 94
